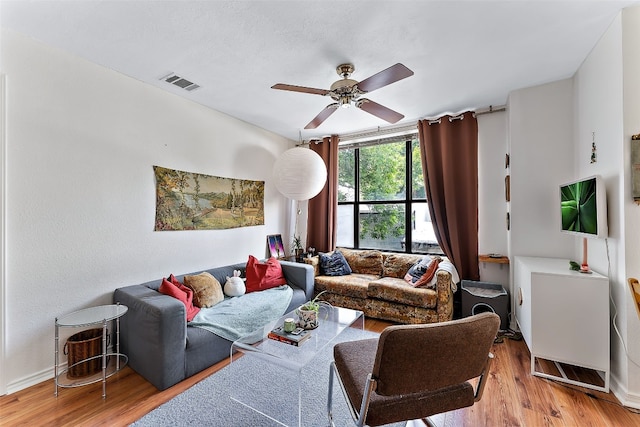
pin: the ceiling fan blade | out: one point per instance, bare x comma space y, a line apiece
379, 110
385, 77
302, 89
324, 115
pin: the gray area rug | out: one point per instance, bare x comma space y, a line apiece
208, 403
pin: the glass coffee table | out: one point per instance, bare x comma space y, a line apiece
270, 373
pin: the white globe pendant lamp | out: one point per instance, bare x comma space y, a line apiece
299, 173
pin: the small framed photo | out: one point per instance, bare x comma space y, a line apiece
275, 245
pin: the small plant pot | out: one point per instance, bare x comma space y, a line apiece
307, 319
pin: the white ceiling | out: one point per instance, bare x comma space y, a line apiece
465, 54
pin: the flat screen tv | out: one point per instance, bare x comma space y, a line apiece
583, 206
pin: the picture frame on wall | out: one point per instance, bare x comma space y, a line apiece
275, 245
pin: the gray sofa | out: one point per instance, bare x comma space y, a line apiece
157, 340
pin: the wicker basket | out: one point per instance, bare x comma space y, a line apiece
84, 345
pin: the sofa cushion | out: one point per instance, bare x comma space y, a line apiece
354, 285
397, 290
261, 276
207, 291
397, 265
177, 290
334, 264
364, 261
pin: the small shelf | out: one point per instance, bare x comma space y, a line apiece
494, 259
116, 361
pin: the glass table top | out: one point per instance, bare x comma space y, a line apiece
92, 315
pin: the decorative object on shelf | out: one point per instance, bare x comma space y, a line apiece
594, 157
507, 188
635, 292
506, 161
635, 167
193, 201
299, 173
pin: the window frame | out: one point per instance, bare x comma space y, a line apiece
407, 202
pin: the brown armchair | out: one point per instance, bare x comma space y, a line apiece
414, 371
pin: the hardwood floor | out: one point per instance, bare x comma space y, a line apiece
512, 397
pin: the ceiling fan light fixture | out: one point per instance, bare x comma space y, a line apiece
345, 101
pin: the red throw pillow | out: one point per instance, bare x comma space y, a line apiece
177, 290
261, 276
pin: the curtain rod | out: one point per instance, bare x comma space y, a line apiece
412, 127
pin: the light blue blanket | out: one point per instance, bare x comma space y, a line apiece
236, 317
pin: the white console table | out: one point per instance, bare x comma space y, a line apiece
563, 316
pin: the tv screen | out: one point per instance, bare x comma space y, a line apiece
583, 207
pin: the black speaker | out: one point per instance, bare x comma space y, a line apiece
481, 297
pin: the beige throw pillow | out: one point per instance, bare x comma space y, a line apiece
207, 291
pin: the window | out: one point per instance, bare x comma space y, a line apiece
381, 198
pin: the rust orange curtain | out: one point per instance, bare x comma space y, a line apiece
449, 151
321, 221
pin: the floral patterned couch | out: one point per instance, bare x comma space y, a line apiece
377, 287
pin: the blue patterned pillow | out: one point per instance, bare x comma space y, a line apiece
334, 264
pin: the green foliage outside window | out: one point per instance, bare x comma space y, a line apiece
382, 178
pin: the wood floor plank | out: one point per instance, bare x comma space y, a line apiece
512, 398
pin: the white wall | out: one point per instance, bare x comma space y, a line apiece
80, 197
492, 205
550, 134
599, 109
631, 227
541, 147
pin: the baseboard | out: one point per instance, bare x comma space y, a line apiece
627, 399
31, 380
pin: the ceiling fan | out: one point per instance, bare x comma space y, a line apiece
348, 91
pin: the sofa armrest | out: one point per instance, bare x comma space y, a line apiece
445, 296
300, 275
153, 334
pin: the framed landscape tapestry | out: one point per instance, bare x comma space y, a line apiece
192, 201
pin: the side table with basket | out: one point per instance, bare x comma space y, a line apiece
88, 357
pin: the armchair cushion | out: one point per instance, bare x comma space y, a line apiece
354, 368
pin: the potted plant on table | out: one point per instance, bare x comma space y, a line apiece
308, 313
297, 247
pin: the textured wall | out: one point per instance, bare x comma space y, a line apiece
81, 143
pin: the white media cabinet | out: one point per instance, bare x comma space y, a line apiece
563, 316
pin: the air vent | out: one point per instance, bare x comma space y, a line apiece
179, 81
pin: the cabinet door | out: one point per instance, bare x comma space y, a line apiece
522, 282
570, 319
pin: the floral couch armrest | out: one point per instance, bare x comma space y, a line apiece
314, 261
445, 295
